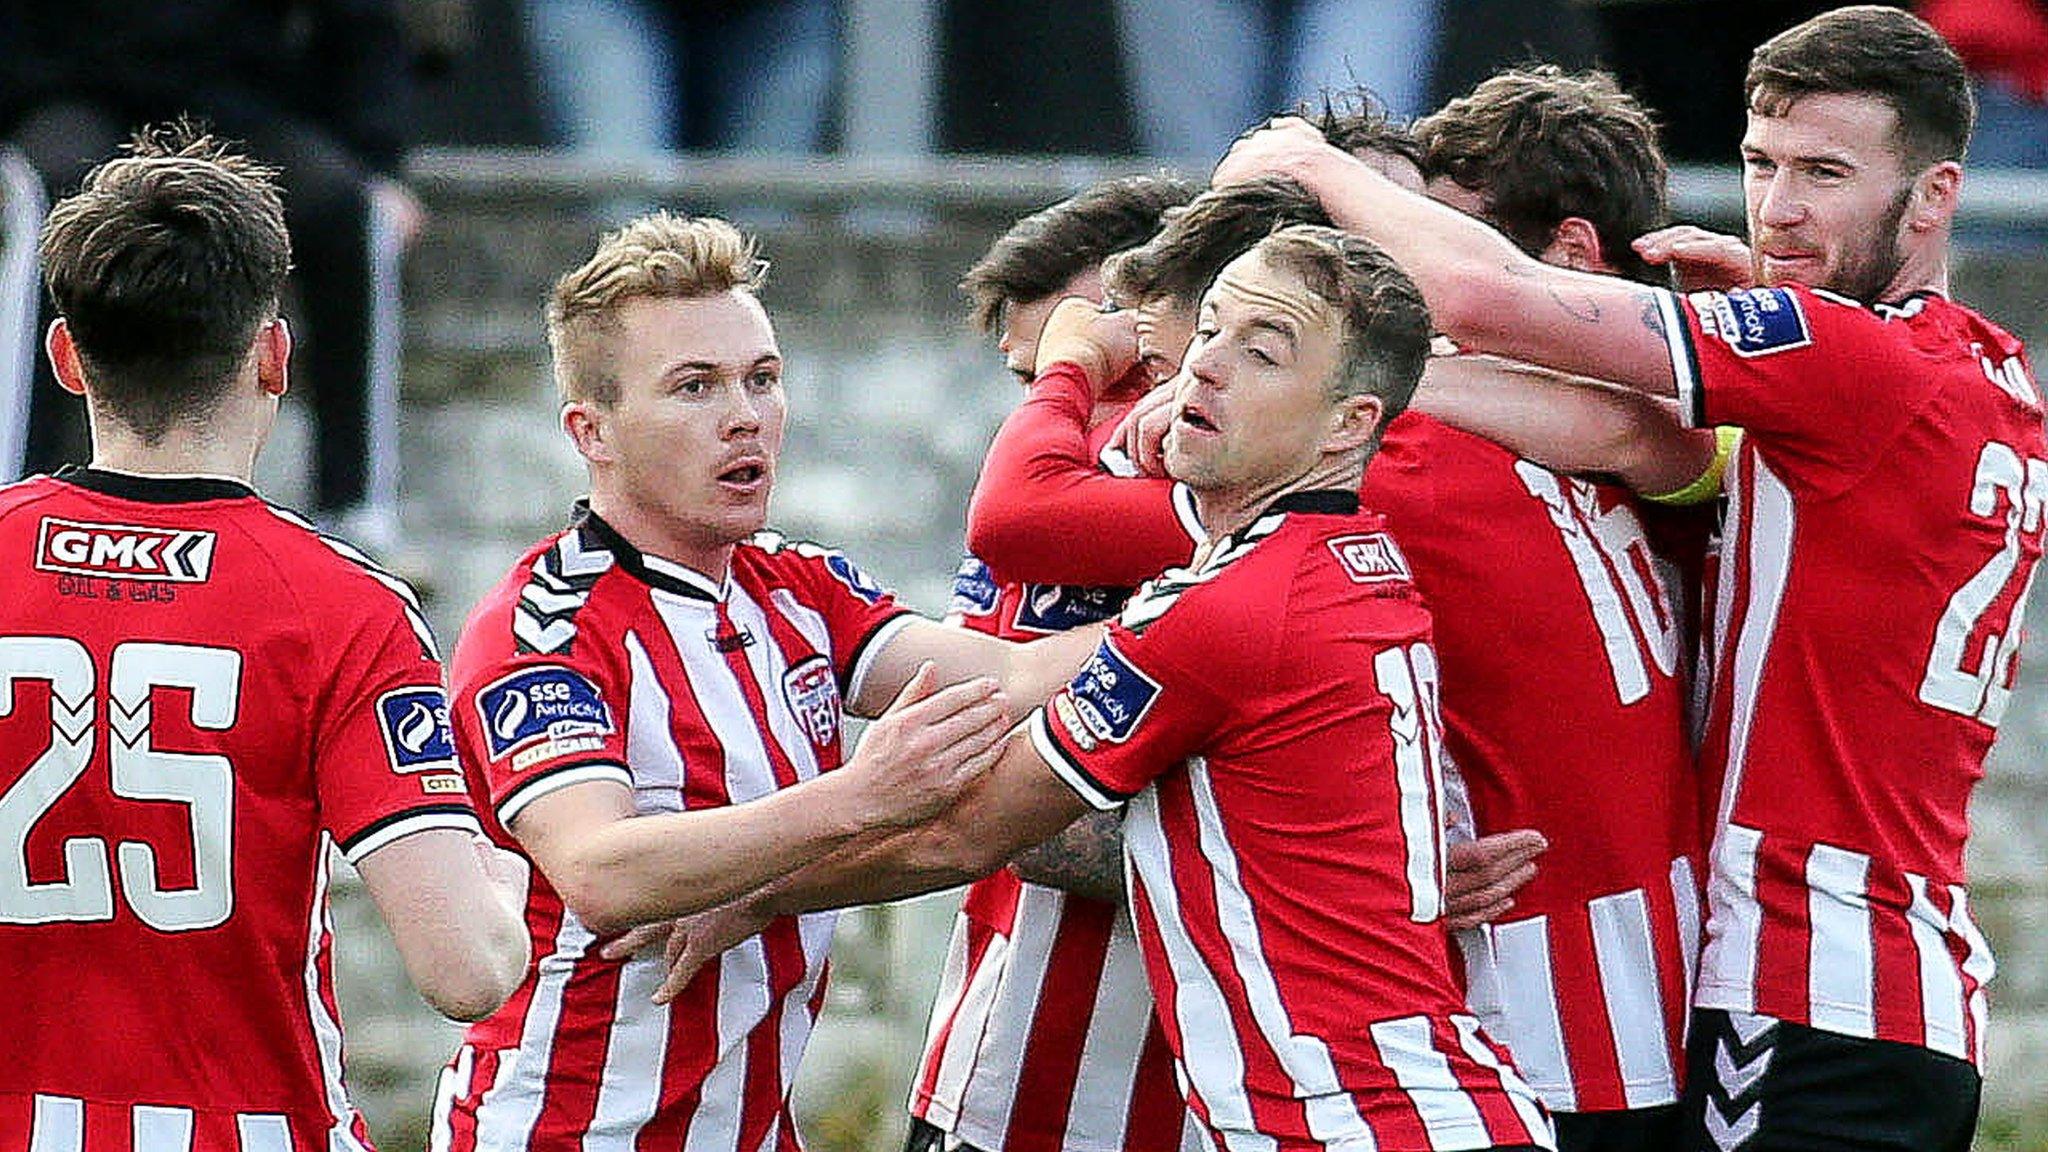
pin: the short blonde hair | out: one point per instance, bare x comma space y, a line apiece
662, 256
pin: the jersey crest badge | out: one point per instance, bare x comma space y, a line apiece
122, 552
1370, 558
813, 697
540, 713
414, 722
1109, 696
1754, 321
974, 589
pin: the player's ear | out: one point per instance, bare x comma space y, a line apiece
1576, 244
1934, 196
273, 356
588, 430
63, 355
1354, 421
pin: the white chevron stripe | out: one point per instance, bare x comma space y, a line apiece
1727, 1134
542, 637
1737, 1079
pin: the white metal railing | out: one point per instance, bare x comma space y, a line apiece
21, 216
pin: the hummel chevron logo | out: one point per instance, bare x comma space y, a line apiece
1737, 1079
1728, 1135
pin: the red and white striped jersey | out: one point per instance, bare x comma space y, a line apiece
1042, 1037
1268, 718
1545, 588
199, 697
594, 661
1885, 521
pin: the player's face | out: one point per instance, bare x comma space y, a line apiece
1022, 323
1825, 192
698, 424
1164, 328
1253, 406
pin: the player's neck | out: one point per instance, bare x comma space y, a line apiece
1225, 510
1923, 271
174, 455
652, 536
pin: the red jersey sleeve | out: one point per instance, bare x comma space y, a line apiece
383, 762
1820, 383
528, 723
1143, 703
1044, 513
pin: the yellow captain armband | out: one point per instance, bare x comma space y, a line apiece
1708, 486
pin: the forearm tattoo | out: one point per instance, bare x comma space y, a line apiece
1086, 858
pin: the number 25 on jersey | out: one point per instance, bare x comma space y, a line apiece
204, 783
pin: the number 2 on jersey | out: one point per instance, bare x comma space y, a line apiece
203, 782
1950, 684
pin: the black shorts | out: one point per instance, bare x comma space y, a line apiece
1754, 1084
1624, 1130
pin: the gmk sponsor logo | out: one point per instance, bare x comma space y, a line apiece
124, 552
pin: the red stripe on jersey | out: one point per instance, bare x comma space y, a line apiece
977, 939
1049, 1067
743, 675
1587, 1027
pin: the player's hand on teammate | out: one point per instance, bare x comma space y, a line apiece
1482, 876
1103, 343
691, 942
1700, 261
1141, 434
928, 745
1282, 146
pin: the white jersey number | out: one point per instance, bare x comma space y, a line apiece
1408, 678
204, 783
1633, 614
1950, 684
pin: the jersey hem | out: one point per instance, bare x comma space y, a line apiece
1098, 795
402, 824
860, 663
556, 778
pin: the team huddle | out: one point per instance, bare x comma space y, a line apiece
1419, 681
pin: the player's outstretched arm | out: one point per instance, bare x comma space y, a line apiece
1085, 858
455, 906
617, 870
1028, 674
1481, 290
1042, 511
1568, 423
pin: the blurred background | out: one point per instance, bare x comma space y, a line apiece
446, 159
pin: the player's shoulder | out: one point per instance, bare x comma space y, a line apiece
331, 578
772, 559
542, 606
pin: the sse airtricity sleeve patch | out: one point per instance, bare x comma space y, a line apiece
542, 713
1753, 321
414, 722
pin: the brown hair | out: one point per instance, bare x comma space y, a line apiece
1386, 325
1869, 50
661, 256
1355, 120
1044, 250
1197, 240
1543, 145
164, 265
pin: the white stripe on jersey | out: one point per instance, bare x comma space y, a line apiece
770, 666
1209, 1058
1841, 960
59, 1125
1626, 954
1941, 986
1101, 1110
156, 1128
742, 1002
1332, 1113
1517, 1091
1678, 344
326, 1029
639, 1041
258, 1132
970, 1020
1685, 897
1449, 1115
726, 711
452, 1085
814, 930
1527, 1020
987, 1102
1977, 965
1736, 925
657, 774
1763, 574
509, 1108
